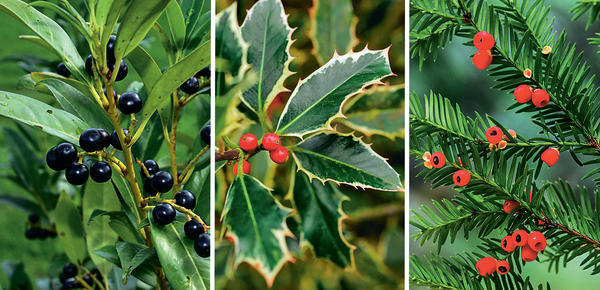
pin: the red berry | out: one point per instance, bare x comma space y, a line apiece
550, 156
520, 237
486, 266
508, 244
502, 267
461, 177
482, 59
483, 40
536, 241
540, 98
523, 93
438, 160
245, 167
248, 142
279, 155
528, 254
494, 135
271, 141
510, 205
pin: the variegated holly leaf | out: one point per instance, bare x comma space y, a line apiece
232, 50
330, 23
256, 220
379, 111
318, 99
321, 216
269, 36
345, 159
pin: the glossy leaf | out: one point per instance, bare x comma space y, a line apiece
76, 103
70, 229
176, 23
183, 267
132, 256
318, 99
144, 271
119, 223
42, 116
81, 87
199, 185
231, 47
269, 36
137, 20
256, 220
320, 208
49, 31
198, 16
379, 111
99, 196
145, 66
345, 159
332, 28
115, 9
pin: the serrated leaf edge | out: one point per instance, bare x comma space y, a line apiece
312, 32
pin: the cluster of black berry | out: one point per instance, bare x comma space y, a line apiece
70, 271
156, 181
62, 70
36, 231
164, 214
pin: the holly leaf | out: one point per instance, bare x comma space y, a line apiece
42, 116
320, 208
332, 27
256, 221
318, 99
99, 196
232, 49
183, 267
50, 32
269, 36
345, 159
70, 229
379, 111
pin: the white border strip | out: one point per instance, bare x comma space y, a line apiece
406, 142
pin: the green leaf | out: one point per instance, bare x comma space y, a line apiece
320, 208
199, 185
318, 99
172, 78
256, 220
145, 66
111, 10
379, 111
176, 23
76, 103
21, 203
81, 87
49, 31
231, 49
137, 20
269, 36
198, 16
70, 229
183, 267
16, 274
99, 196
345, 159
120, 224
42, 116
332, 28
132, 256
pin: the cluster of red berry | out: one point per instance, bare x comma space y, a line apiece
525, 93
531, 244
270, 142
484, 42
488, 265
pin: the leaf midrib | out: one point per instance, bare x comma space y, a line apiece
262, 63
187, 253
300, 149
251, 211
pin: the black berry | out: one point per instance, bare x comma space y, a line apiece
62, 70
123, 70
163, 214
88, 280
100, 172
71, 283
88, 65
205, 72
190, 86
42, 234
105, 137
66, 154
34, 218
151, 166
162, 181
52, 160
114, 139
77, 174
114, 93
110, 48
186, 199
31, 234
130, 103
205, 134
193, 229
202, 245
62, 277
69, 270
91, 140
148, 188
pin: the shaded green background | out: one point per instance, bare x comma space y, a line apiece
454, 76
